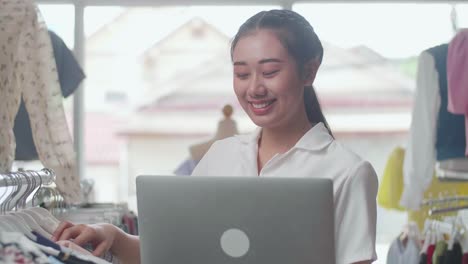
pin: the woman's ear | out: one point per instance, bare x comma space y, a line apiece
310, 71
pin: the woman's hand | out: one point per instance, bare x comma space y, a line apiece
103, 238
100, 236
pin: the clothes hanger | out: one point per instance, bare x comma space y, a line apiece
44, 219
17, 184
42, 216
18, 225
433, 239
5, 182
4, 226
427, 242
414, 234
464, 243
19, 193
29, 187
31, 222
3, 206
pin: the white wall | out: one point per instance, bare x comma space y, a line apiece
154, 155
106, 182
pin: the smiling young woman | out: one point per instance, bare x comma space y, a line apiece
276, 55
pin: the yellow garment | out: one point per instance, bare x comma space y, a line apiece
391, 188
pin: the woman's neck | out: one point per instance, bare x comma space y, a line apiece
283, 139
279, 140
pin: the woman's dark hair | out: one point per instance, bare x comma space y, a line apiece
298, 37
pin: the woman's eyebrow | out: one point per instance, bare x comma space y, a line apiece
263, 61
240, 63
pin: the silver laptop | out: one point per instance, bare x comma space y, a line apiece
224, 220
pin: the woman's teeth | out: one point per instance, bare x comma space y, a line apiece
262, 105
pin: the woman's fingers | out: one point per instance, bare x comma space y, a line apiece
101, 249
58, 232
87, 234
72, 232
81, 235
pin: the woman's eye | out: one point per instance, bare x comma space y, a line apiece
270, 73
242, 75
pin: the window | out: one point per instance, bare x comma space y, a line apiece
169, 70
60, 19
116, 97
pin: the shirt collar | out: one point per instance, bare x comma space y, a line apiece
316, 138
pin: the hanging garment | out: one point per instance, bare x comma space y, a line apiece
53, 260
401, 254
454, 255
450, 129
16, 248
186, 168
430, 253
391, 188
28, 71
45, 241
423, 258
429, 139
70, 76
128, 220
465, 258
439, 251
457, 77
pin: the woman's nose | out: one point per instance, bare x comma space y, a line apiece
257, 87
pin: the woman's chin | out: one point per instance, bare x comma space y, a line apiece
262, 121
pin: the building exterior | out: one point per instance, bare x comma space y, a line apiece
156, 96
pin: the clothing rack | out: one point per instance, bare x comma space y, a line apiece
448, 209
451, 175
44, 176
444, 200
452, 170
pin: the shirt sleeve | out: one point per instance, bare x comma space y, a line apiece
418, 168
356, 216
69, 70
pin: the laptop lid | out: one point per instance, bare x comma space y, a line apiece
235, 220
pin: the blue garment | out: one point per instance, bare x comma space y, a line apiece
186, 167
450, 130
40, 239
53, 260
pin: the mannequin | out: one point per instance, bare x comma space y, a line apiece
227, 127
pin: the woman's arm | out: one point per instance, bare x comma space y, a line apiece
126, 248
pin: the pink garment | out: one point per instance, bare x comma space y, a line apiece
457, 77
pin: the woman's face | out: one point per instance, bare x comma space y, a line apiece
266, 80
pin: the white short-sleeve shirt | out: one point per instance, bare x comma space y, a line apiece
316, 154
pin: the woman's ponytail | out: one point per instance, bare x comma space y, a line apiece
313, 109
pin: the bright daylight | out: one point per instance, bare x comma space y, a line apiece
342, 126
